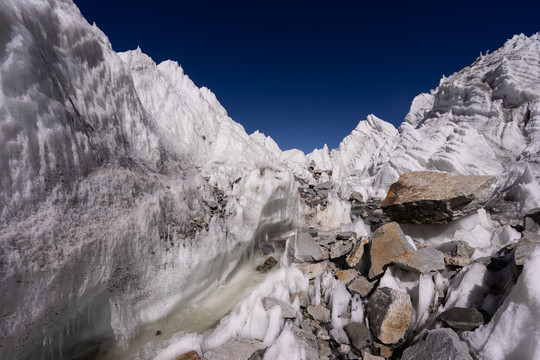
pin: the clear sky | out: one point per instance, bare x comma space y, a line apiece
306, 72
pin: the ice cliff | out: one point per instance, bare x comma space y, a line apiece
126, 190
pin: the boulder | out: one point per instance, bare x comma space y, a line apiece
303, 298
532, 220
525, 247
387, 243
192, 355
356, 196
340, 248
356, 254
389, 313
347, 276
311, 271
422, 261
304, 248
358, 334
340, 336
436, 198
361, 286
287, 312
323, 188
438, 344
346, 235
234, 349
465, 319
456, 248
319, 313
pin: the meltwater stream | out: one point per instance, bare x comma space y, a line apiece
199, 317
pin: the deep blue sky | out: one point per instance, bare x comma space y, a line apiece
305, 72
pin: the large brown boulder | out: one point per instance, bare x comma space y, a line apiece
436, 198
388, 242
389, 314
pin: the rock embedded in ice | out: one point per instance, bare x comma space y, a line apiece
319, 313
361, 286
311, 271
355, 195
438, 344
525, 247
346, 235
387, 243
358, 334
465, 319
423, 261
340, 336
389, 313
340, 248
267, 248
532, 220
192, 355
304, 248
347, 276
267, 265
456, 248
234, 349
287, 312
303, 298
258, 355
323, 188
308, 341
457, 261
356, 254
436, 198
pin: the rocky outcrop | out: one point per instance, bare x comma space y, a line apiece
389, 313
438, 344
430, 197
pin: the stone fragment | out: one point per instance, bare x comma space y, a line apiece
234, 349
361, 286
303, 298
387, 242
465, 319
308, 341
422, 261
358, 334
258, 355
340, 248
304, 248
324, 349
458, 261
389, 313
267, 265
326, 241
313, 232
347, 276
346, 235
525, 247
267, 248
192, 355
323, 188
456, 248
287, 312
356, 254
344, 349
322, 333
438, 344
532, 220
340, 336
384, 351
355, 195
311, 271
319, 313
436, 198
368, 356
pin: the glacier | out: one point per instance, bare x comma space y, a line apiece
127, 192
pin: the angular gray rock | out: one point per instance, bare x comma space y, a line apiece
308, 341
340, 336
422, 261
323, 188
438, 344
525, 247
355, 195
358, 334
361, 286
421, 197
319, 313
387, 243
287, 312
532, 220
456, 248
304, 248
267, 265
356, 254
346, 235
465, 319
347, 276
234, 349
389, 313
303, 298
340, 248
